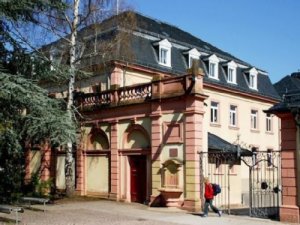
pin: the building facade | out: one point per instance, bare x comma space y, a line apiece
147, 118
288, 111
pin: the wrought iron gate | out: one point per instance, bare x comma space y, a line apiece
264, 183
250, 184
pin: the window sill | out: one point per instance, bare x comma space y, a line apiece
214, 78
270, 132
254, 131
233, 127
253, 88
233, 83
166, 65
215, 125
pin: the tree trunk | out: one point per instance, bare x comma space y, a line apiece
69, 164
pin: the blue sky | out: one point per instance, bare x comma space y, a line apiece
264, 33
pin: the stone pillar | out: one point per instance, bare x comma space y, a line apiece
289, 210
193, 145
117, 77
156, 141
45, 161
114, 163
27, 177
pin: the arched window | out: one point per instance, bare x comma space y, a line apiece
136, 137
97, 140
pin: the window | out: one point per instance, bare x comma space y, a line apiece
163, 59
254, 120
214, 115
191, 61
230, 75
164, 52
231, 72
233, 115
252, 78
212, 70
192, 54
268, 122
213, 64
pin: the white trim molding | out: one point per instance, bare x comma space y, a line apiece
164, 52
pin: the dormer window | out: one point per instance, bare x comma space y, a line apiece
212, 70
164, 52
191, 55
231, 72
213, 67
163, 56
252, 78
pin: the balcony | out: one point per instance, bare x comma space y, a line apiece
157, 89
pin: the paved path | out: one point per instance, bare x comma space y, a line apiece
114, 213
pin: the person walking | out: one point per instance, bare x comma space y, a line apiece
209, 196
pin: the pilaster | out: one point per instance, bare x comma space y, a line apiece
114, 163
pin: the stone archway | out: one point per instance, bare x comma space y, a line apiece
136, 143
97, 162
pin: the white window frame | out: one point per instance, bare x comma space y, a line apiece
192, 54
252, 81
213, 67
212, 70
254, 119
269, 123
233, 115
164, 46
214, 112
231, 66
163, 56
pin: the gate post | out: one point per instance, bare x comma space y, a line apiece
250, 190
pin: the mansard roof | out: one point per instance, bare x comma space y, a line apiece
143, 52
287, 84
289, 90
148, 29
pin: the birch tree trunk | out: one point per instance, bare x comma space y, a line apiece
69, 163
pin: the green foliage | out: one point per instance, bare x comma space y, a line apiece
38, 187
27, 113
11, 165
27, 108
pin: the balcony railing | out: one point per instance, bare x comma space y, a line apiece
161, 88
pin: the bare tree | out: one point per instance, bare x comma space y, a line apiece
75, 32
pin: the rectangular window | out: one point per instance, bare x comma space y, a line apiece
230, 75
233, 115
191, 61
212, 70
252, 80
214, 114
268, 123
163, 56
254, 120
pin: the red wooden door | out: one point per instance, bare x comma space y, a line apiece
138, 178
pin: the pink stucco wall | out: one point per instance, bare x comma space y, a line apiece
289, 211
